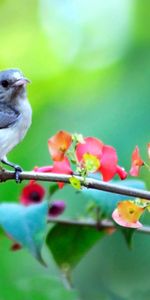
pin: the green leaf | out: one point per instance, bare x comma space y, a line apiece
108, 201
26, 225
69, 243
53, 189
128, 235
76, 184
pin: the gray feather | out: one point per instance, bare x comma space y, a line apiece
8, 116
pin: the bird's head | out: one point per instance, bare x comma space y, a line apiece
12, 85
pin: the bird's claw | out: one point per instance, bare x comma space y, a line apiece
18, 170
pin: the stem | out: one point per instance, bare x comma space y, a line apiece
91, 223
88, 182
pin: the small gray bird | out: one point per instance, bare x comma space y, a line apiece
15, 113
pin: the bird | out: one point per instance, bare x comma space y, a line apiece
15, 114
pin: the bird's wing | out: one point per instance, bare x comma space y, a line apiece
8, 116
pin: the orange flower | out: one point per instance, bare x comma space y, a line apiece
59, 144
137, 162
127, 214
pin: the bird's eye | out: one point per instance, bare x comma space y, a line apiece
5, 83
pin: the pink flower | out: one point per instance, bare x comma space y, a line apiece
91, 146
108, 166
107, 156
137, 162
62, 167
148, 150
121, 173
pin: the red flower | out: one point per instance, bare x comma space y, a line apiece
59, 144
32, 193
56, 208
106, 155
137, 162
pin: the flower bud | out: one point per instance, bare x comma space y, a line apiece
56, 208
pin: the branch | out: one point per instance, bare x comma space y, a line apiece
88, 182
91, 223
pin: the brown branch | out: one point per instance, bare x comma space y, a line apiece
88, 182
91, 223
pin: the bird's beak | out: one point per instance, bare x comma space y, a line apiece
21, 82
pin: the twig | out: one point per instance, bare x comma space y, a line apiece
92, 223
88, 183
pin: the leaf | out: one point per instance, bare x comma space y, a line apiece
53, 189
128, 235
26, 225
75, 183
108, 201
69, 244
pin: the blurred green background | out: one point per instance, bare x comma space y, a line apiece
89, 63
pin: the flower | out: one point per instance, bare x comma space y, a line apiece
56, 208
137, 162
108, 166
91, 162
62, 167
121, 173
148, 150
127, 214
32, 193
91, 146
105, 160
59, 144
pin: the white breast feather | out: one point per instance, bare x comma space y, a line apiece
11, 136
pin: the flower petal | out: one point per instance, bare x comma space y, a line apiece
91, 146
44, 169
59, 144
116, 217
62, 167
32, 193
136, 162
109, 160
121, 173
148, 150
127, 214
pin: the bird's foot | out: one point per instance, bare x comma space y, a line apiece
18, 170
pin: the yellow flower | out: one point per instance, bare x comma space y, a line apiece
127, 214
